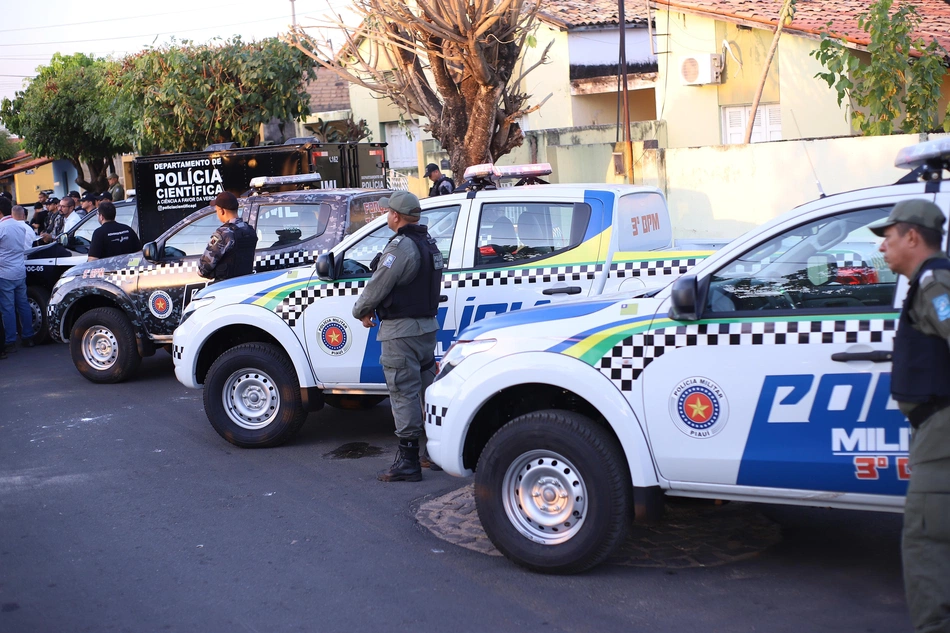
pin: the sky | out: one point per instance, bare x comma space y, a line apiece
33, 32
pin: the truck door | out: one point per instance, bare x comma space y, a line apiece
757, 393
525, 253
343, 352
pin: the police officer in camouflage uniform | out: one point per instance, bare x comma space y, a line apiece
404, 293
920, 383
230, 252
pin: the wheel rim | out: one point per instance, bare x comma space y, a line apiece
37, 312
545, 497
100, 349
251, 398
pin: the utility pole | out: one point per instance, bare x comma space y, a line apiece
786, 14
627, 145
293, 14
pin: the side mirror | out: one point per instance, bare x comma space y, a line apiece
63, 239
684, 300
150, 252
326, 267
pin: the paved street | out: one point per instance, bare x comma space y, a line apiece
122, 510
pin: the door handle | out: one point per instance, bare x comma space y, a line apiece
563, 290
877, 356
443, 298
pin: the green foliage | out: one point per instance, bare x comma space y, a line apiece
8, 147
184, 97
894, 84
63, 112
346, 131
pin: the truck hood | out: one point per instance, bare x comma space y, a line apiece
107, 264
239, 289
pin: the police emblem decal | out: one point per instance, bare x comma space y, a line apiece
698, 407
160, 304
333, 334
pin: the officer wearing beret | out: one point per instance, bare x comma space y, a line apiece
404, 293
920, 383
230, 252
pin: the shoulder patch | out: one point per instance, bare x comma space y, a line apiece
941, 304
389, 261
214, 239
396, 240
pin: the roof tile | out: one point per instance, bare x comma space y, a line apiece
328, 92
575, 13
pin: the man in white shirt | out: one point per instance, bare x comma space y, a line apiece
67, 206
29, 235
13, 302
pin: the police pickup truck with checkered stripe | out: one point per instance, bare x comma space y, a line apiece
761, 375
268, 352
115, 310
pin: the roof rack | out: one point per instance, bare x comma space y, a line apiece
266, 182
927, 161
482, 177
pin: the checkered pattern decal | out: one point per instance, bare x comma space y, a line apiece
177, 352
627, 360
262, 263
575, 272
297, 301
435, 415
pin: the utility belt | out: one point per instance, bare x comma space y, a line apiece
927, 409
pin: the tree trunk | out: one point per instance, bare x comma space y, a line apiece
786, 12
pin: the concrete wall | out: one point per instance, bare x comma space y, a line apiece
809, 107
28, 186
720, 192
550, 79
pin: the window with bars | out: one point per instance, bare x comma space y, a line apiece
767, 126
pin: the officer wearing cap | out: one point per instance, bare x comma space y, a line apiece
920, 383
441, 184
117, 190
230, 252
404, 293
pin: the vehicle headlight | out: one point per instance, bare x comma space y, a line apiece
194, 305
461, 350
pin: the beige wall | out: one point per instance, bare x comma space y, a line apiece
741, 78
806, 99
601, 109
551, 78
720, 192
691, 112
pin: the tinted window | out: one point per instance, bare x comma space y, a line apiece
829, 263
192, 238
289, 224
517, 232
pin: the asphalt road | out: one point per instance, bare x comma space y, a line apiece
122, 510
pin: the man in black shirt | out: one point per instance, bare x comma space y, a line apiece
112, 238
442, 185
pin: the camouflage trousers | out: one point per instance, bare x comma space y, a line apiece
402, 360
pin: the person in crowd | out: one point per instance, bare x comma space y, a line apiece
404, 294
920, 384
13, 302
29, 235
115, 189
230, 252
88, 202
441, 184
40, 217
62, 222
112, 238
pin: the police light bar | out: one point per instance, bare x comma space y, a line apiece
270, 181
483, 170
922, 153
532, 170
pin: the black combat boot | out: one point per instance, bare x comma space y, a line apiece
406, 465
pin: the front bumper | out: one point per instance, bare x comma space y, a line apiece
184, 354
444, 426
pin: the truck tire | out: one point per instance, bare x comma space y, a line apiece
252, 396
352, 403
553, 492
102, 345
38, 298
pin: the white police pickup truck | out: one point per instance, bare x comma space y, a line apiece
762, 375
270, 347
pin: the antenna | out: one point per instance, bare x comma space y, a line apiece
821, 191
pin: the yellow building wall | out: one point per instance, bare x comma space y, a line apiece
601, 109
691, 112
29, 185
552, 78
745, 59
809, 107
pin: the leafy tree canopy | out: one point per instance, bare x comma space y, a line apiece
63, 112
901, 84
183, 97
8, 147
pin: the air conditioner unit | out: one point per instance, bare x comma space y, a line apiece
697, 70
